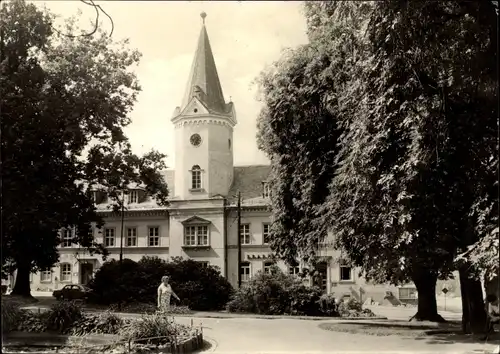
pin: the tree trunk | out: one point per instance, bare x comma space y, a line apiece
425, 281
473, 308
22, 285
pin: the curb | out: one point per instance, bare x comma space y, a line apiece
235, 315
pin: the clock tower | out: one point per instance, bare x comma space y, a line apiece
203, 130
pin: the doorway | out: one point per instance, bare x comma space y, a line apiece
321, 278
86, 271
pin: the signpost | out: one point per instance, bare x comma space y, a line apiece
445, 291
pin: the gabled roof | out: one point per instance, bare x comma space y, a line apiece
204, 80
248, 181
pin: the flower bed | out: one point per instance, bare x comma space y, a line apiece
65, 319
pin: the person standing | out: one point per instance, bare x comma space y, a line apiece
164, 293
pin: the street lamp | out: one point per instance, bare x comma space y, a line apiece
124, 192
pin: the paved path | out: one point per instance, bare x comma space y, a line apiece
251, 335
248, 335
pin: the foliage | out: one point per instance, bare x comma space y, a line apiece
149, 308
63, 315
242, 301
305, 300
276, 293
116, 282
328, 305
11, 315
65, 101
33, 322
199, 287
304, 95
411, 144
104, 323
159, 328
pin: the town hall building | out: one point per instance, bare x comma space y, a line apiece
201, 221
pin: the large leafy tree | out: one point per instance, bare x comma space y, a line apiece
416, 162
64, 99
299, 126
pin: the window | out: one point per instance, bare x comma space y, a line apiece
196, 235
265, 234
245, 271
109, 237
266, 190
267, 267
131, 236
204, 264
133, 197
245, 234
345, 271
294, 270
67, 237
154, 236
94, 197
196, 177
65, 272
407, 293
46, 276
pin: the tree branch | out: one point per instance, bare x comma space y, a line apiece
98, 9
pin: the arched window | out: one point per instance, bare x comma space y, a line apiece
196, 177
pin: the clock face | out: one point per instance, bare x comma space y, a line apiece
195, 139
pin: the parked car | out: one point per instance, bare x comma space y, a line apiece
72, 292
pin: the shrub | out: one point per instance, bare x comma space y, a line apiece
305, 300
158, 327
242, 301
11, 315
328, 305
353, 308
353, 304
105, 323
200, 288
276, 293
33, 322
63, 315
116, 282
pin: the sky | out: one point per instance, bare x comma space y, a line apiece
245, 38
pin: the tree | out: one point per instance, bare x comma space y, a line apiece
65, 100
416, 159
299, 126
414, 162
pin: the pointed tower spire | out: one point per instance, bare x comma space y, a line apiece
203, 80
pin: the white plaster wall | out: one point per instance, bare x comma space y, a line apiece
214, 255
220, 164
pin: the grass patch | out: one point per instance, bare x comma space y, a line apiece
401, 329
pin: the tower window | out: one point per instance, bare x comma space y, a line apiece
195, 110
229, 143
196, 177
